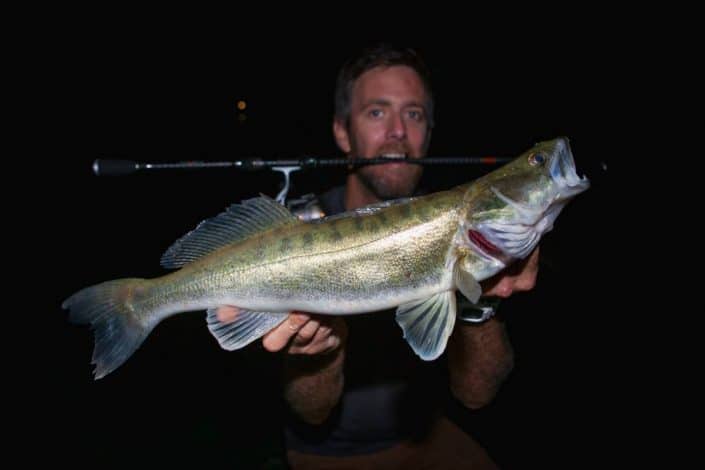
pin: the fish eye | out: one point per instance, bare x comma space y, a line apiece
536, 159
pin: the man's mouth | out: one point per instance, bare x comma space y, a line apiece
394, 156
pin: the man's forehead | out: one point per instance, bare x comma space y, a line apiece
390, 84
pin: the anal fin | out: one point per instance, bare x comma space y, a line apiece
247, 327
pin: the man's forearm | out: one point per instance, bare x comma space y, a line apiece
313, 384
480, 358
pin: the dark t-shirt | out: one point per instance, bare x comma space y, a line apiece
390, 394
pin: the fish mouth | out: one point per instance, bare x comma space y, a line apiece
563, 172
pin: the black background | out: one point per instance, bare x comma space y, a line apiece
180, 399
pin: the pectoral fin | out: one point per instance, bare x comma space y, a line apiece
246, 328
428, 323
466, 282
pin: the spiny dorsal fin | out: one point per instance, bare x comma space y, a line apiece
238, 222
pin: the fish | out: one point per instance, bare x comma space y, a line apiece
411, 254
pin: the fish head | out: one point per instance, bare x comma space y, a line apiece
511, 208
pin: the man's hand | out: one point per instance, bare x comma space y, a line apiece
519, 277
303, 333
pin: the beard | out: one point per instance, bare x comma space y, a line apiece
390, 180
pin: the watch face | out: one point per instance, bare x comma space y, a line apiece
485, 308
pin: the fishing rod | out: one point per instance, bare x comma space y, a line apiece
111, 167
108, 167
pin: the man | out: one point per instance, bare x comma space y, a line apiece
359, 397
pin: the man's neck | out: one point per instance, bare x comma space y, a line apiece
357, 194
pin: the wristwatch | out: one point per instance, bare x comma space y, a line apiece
483, 310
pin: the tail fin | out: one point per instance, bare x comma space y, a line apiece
119, 326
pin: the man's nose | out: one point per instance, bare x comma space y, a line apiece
396, 127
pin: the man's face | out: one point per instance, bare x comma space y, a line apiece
388, 117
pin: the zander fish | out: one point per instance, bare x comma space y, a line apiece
410, 253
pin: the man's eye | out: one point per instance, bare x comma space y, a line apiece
415, 115
376, 113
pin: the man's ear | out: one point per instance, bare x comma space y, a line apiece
342, 138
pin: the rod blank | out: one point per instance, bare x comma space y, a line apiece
110, 167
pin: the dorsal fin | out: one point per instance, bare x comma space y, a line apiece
238, 222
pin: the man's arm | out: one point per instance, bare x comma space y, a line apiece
313, 369
313, 364
480, 356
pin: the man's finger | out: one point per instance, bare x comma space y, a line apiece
519, 277
526, 280
279, 337
306, 332
227, 313
322, 342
